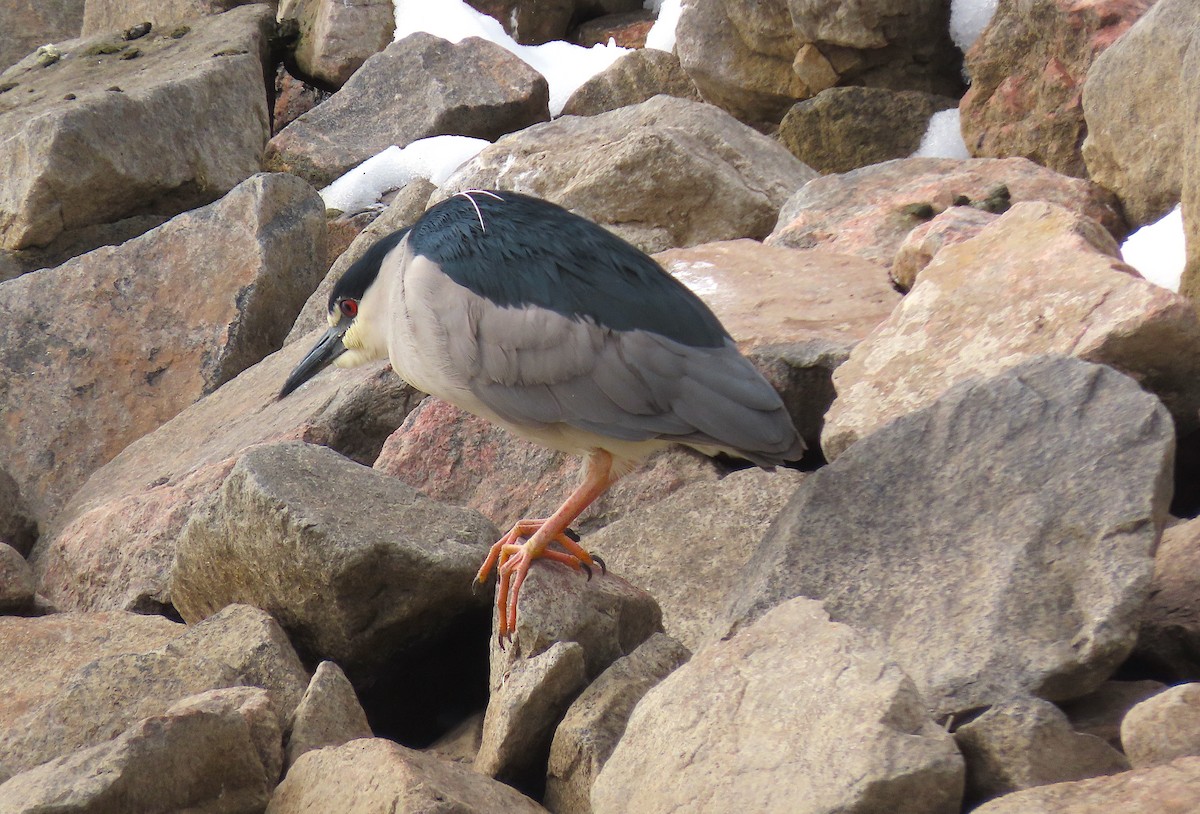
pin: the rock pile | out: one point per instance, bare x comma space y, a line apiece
978, 593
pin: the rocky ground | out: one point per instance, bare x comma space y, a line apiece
979, 592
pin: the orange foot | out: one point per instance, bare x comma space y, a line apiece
515, 557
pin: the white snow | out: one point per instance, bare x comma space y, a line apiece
943, 138
968, 18
432, 158
564, 65
1157, 251
662, 33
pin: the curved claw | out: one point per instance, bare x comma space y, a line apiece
596, 558
587, 569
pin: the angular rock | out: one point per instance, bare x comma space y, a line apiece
218, 752
461, 459
596, 720
758, 723
634, 78
688, 550
1100, 712
73, 402
1040, 280
114, 544
523, 712
413, 89
842, 129
869, 211
337, 38
328, 715
193, 123
29, 23
1164, 727
97, 700
1169, 639
1012, 550
114, 16
664, 173
354, 565
1029, 742
16, 580
947, 228
606, 615
372, 775
405, 208
1170, 789
1139, 109
1027, 74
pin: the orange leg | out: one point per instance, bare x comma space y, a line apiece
515, 558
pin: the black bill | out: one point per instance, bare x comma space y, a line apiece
323, 353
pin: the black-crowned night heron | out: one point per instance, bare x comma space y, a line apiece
521, 312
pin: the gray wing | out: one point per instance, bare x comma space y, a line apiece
534, 367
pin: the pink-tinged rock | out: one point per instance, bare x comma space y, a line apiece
869, 211
464, 460
114, 543
1040, 280
1170, 789
954, 225
29, 23
110, 345
767, 295
1027, 73
16, 580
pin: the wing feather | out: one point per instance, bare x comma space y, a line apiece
536, 368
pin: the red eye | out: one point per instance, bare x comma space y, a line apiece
349, 308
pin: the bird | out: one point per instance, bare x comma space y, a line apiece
533, 317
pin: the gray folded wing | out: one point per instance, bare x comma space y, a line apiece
535, 368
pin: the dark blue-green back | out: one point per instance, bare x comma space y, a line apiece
530, 252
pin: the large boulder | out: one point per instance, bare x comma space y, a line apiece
1027, 74
108, 346
794, 714
1039, 280
665, 173
1000, 539
637, 76
354, 565
413, 89
192, 114
1169, 639
113, 545
1139, 108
